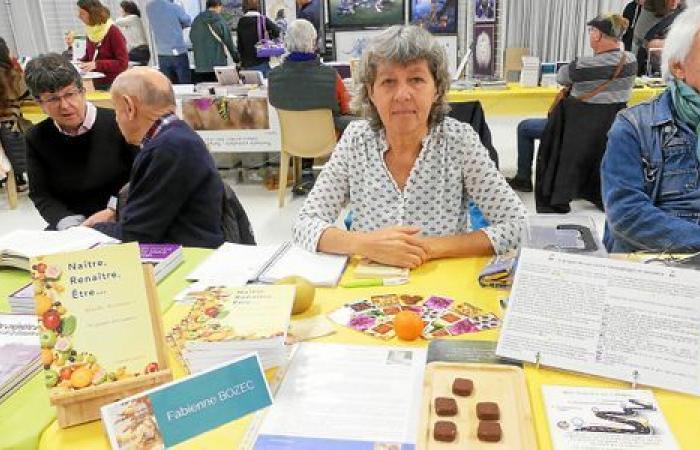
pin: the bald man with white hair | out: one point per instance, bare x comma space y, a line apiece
175, 192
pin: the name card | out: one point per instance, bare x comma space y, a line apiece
175, 412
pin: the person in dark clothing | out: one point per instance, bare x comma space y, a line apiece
654, 43
249, 35
310, 10
175, 193
631, 13
77, 158
211, 42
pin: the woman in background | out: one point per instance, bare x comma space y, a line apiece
12, 91
106, 49
132, 28
248, 36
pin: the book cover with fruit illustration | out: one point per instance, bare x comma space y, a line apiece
251, 312
94, 317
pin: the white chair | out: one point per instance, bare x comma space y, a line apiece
305, 134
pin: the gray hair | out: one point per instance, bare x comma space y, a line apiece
402, 44
300, 37
680, 40
147, 84
51, 72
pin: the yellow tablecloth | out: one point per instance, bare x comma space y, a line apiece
455, 278
521, 101
513, 101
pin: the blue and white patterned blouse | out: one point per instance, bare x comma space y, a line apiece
452, 168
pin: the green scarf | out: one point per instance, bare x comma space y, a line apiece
686, 100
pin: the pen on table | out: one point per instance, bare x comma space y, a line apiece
369, 282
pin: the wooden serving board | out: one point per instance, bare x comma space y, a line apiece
502, 384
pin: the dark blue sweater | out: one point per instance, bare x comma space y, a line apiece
175, 193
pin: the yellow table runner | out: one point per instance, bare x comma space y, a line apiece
455, 278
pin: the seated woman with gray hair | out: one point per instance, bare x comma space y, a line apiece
302, 83
408, 172
649, 174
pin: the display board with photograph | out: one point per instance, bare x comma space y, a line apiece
436, 16
282, 12
349, 45
365, 13
232, 124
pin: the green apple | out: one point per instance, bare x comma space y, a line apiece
50, 378
304, 295
47, 338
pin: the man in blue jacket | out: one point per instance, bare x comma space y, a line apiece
167, 20
175, 192
651, 168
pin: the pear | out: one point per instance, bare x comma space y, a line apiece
304, 295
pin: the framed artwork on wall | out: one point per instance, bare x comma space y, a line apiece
282, 12
485, 11
436, 16
365, 13
450, 44
484, 55
349, 45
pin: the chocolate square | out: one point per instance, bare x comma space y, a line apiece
489, 431
445, 431
487, 411
462, 387
445, 406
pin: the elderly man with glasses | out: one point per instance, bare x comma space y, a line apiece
77, 158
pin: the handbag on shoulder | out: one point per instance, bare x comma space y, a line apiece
266, 47
566, 90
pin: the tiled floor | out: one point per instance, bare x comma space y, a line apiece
273, 225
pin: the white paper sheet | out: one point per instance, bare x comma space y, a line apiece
320, 269
605, 419
612, 318
341, 396
30, 243
233, 261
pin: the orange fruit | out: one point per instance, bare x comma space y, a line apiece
42, 303
46, 356
81, 377
408, 325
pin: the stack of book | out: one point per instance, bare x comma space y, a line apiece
530, 73
164, 257
22, 300
227, 322
17, 247
19, 347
